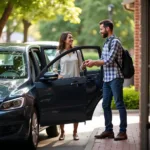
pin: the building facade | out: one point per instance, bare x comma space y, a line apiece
141, 9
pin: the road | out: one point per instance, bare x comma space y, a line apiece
84, 132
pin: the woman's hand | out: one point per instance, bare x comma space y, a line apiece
60, 76
83, 66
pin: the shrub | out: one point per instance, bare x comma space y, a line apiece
131, 98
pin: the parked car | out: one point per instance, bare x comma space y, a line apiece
32, 97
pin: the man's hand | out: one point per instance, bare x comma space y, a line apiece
89, 63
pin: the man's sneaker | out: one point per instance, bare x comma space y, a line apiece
121, 136
105, 134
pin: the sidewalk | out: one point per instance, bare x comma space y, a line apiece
132, 143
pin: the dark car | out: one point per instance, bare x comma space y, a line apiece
32, 97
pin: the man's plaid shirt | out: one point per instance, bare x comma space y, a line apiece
111, 69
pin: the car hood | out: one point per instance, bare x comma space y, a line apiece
9, 87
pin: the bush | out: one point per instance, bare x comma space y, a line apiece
131, 98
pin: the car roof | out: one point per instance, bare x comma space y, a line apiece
12, 44
16, 46
49, 43
23, 46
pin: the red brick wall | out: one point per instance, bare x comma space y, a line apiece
137, 43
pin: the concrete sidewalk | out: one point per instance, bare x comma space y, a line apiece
132, 143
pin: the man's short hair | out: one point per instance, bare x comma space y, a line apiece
107, 23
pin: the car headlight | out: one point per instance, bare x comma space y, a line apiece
12, 104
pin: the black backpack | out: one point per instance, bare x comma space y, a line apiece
127, 64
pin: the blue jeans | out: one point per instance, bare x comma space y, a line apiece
110, 89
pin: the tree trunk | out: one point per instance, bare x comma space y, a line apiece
8, 34
26, 26
8, 31
5, 16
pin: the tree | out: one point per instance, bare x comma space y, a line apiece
8, 7
53, 8
87, 32
32, 11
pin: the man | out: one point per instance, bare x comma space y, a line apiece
113, 81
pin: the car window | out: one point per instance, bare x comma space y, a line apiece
86, 54
91, 54
49, 55
12, 65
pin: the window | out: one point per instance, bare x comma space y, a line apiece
49, 54
91, 54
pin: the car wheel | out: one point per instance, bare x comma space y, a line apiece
32, 141
52, 131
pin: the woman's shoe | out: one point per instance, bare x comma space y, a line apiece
62, 137
75, 137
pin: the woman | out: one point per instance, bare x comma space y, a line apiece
70, 66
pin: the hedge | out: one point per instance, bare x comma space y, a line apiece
131, 98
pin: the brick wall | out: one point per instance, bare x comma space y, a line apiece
137, 43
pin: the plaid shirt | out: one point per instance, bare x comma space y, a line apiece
111, 69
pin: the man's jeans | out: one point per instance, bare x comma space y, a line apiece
114, 88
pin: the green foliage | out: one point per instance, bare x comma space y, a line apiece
87, 32
131, 98
35, 10
90, 55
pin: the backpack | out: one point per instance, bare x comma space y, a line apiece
127, 68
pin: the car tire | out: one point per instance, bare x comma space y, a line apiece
33, 138
52, 131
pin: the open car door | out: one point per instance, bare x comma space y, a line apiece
68, 100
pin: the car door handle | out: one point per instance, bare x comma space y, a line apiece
74, 83
90, 79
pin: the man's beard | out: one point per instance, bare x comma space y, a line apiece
105, 34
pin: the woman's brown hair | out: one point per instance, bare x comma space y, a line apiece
62, 40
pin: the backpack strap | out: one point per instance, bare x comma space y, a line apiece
109, 47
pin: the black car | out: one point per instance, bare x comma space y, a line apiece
32, 97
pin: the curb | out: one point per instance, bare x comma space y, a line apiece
129, 111
132, 111
91, 140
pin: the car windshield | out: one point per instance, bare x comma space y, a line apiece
12, 65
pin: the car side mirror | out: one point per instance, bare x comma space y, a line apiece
51, 75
